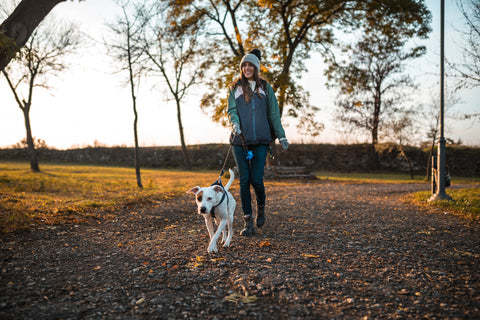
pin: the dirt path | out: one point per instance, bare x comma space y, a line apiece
327, 251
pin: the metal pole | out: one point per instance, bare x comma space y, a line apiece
440, 190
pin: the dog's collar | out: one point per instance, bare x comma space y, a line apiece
219, 183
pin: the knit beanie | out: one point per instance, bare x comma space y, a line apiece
253, 57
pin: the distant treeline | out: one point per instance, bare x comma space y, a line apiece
462, 161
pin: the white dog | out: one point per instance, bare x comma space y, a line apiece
216, 203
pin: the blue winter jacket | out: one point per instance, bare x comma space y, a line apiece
259, 120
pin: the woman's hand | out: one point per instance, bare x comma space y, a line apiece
284, 143
236, 129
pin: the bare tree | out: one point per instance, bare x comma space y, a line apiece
124, 48
468, 70
44, 55
180, 60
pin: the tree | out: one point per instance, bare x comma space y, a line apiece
286, 31
289, 31
17, 28
125, 49
468, 71
296, 24
43, 56
370, 82
180, 60
431, 115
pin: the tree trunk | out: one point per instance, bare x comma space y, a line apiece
429, 162
32, 153
186, 159
373, 156
375, 125
281, 98
281, 85
20, 24
137, 157
410, 168
135, 119
373, 152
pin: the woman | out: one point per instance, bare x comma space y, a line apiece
255, 118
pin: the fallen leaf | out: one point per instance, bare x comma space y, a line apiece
216, 259
235, 297
265, 243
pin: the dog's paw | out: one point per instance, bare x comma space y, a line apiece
212, 249
226, 244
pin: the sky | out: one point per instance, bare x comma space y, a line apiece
89, 105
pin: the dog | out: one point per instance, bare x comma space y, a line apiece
216, 203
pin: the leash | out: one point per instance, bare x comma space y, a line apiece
219, 180
248, 153
219, 183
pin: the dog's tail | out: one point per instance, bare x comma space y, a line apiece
232, 176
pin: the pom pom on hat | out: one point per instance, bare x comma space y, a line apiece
254, 57
257, 52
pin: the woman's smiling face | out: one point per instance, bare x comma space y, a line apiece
248, 70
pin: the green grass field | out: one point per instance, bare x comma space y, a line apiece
73, 193
465, 202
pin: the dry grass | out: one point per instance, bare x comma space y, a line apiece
73, 193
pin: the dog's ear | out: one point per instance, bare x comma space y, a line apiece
194, 190
218, 188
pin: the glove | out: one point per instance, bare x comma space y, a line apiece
236, 129
284, 143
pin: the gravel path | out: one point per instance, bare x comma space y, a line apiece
327, 251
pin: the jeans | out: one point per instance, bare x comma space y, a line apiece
251, 173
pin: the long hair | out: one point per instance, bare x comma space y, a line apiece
247, 90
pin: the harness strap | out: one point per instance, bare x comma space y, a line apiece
219, 183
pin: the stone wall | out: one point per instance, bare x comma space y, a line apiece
462, 161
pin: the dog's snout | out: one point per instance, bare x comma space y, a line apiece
203, 209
